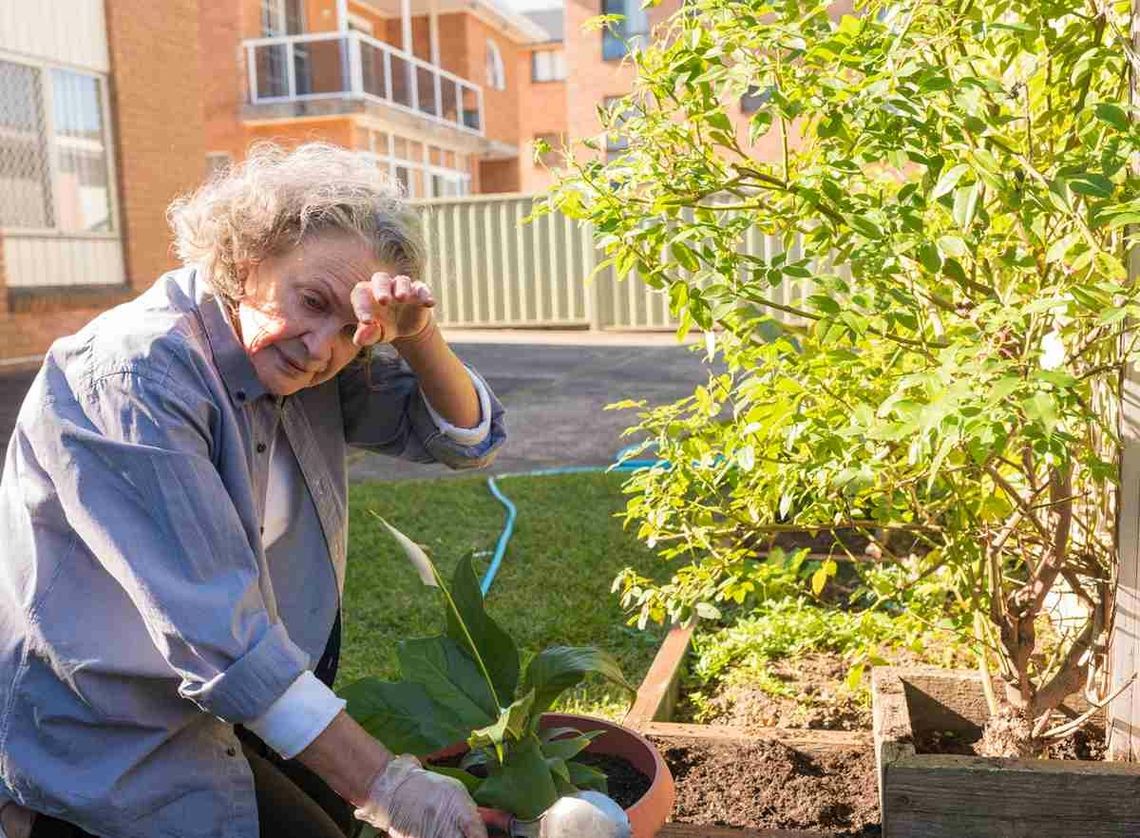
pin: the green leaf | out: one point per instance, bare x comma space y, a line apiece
470, 781
469, 625
965, 203
523, 785
929, 257
512, 724
568, 747
824, 303
450, 677
685, 256
865, 226
952, 246
948, 181
1096, 186
1113, 114
558, 668
586, 777
401, 715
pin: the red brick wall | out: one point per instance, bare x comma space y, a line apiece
156, 104
542, 110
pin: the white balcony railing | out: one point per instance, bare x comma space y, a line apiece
350, 65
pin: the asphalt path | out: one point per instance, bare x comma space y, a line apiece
554, 397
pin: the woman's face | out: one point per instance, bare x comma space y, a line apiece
296, 320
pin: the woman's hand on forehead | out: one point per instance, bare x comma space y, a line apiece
390, 307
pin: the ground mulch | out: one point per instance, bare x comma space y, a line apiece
819, 703
763, 784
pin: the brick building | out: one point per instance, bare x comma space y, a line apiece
110, 108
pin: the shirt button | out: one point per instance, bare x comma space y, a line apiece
240, 395
231, 751
260, 447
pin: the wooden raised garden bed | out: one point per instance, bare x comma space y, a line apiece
927, 795
752, 751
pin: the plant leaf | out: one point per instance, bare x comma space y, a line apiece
490, 647
401, 715
586, 777
469, 625
568, 748
512, 724
523, 785
450, 677
416, 555
470, 781
558, 668
948, 181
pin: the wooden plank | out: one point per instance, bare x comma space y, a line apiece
658, 691
1124, 645
1124, 654
943, 796
688, 830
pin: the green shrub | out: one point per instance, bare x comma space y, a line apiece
948, 368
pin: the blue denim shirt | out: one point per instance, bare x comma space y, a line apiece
138, 620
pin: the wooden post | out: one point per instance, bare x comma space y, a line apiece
1124, 712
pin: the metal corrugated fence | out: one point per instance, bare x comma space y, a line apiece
492, 271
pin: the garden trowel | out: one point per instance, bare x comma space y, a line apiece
587, 814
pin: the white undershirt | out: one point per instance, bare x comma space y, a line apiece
307, 707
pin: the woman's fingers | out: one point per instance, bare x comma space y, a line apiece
421, 293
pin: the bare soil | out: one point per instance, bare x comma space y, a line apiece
1085, 744
764, 784
819, 704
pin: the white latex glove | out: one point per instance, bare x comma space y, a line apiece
407, 801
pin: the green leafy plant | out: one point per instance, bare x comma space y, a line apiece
467, 685
933, 344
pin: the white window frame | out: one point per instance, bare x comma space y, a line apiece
45, 68
548, 65
388, 159
496, 71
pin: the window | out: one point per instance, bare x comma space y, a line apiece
496, 75
54, 168
548, 65
619, 38
421, 170
755, 98
280, 18
552, 157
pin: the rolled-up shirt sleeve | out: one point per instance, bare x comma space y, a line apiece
142, 491
385, 411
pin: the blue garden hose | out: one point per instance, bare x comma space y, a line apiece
512, 512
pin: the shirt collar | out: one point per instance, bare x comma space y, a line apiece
230, 357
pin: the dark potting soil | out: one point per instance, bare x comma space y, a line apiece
624, 783
763, 784
1086, 744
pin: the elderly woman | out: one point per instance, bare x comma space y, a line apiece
173, 509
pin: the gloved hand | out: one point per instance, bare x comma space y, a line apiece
408, 801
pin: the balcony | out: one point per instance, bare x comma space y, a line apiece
353, 66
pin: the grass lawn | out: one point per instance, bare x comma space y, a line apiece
553, 586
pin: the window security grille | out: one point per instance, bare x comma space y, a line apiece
25, 177
53, 152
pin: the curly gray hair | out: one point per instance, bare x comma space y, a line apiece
275, 198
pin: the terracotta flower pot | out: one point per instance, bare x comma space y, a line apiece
648, 814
